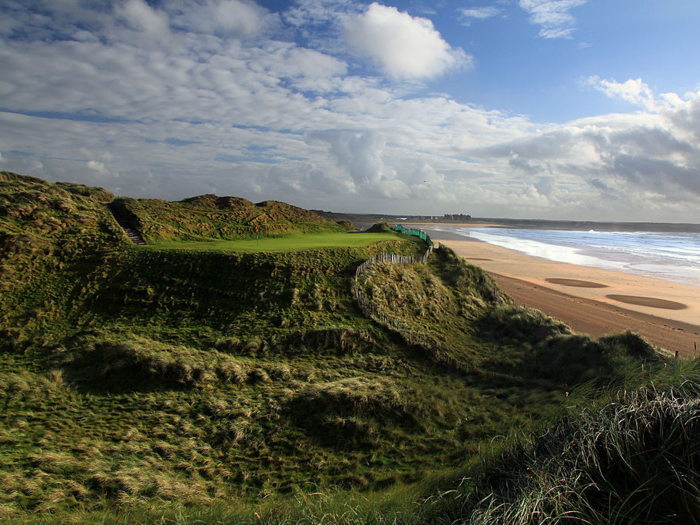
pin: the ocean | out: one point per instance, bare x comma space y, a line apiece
672, 256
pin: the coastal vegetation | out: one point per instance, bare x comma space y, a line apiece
208, 217
207, 378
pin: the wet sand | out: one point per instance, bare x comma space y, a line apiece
591, 300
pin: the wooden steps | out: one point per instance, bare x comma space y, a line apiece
131, 232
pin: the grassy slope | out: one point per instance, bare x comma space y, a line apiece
210, 218
144, 375
50, 236
632, 457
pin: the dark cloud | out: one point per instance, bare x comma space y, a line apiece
357, 152
605, 190
635, 154
519, 163
660, 176
688, 118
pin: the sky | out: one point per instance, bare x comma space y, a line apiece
543, 109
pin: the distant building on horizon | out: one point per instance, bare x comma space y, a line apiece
456, 217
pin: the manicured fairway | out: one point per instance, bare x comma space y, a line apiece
288, 244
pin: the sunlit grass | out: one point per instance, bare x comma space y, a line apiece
288, 243
197, 383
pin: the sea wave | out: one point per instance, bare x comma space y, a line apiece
672, 256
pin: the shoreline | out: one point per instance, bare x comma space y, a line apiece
590, 300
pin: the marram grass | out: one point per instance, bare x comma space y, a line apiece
145, 385
633, 460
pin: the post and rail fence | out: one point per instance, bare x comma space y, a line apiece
436, 353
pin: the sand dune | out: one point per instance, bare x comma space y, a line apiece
589, 299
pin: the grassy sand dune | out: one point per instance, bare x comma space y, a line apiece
156, 385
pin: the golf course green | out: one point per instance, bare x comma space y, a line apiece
288, 243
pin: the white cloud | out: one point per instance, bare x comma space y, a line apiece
634, 91
318, 12
404, 47
260, 116
360, 154
637, 92
289, 61
552, 16
241, 18
142, 17
469, 14
648, 162
97, 166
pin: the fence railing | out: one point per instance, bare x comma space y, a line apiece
392, 258
410, 336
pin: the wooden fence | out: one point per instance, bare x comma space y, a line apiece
365, 305
411, 337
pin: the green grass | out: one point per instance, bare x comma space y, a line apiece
210, 218
210, 384
288, 243
631, 458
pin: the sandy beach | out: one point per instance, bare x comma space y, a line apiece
590, 300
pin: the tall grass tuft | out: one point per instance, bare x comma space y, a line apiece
134, 361
635, 461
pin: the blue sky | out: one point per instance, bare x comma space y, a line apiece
561, 109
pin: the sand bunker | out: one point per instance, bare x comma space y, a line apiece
576, 283
648, 301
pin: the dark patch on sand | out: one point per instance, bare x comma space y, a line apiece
651, 302
477, 259
576, 283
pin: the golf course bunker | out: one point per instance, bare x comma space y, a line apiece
576, 283
651, 302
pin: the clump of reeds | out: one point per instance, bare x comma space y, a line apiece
339, 340
524, 323
231, 372
27, 386
568, 358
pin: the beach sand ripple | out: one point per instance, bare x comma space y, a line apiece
576, 283
651, 302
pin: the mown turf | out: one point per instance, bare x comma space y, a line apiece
288, 243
